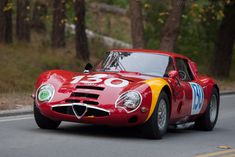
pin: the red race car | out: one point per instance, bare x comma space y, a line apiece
146, 88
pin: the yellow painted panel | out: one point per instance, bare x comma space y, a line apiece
156, 86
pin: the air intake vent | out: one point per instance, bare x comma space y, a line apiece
85, 95
72, 101
96, 113
90, 87
64, 110
80, 110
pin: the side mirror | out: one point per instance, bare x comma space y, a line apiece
173, 74
88, 68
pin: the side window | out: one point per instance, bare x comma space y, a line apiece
169, 67
184, 70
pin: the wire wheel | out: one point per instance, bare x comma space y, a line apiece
213, 108
162, 114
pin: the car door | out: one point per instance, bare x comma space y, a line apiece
192, 91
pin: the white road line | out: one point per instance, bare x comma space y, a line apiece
9, 119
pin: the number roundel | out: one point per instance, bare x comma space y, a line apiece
122, 83
97, 78
197, 98
94, 78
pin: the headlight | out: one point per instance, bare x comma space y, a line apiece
129, 101
45, 92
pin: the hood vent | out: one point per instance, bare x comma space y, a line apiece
72, 101
90, 87
85, 95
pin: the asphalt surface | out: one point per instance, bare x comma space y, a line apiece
20, 137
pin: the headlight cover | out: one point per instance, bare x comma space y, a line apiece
130, 101
45, 93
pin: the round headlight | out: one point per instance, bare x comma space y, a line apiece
129, 101
45, 93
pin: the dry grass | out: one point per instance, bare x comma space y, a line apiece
22, 63
14, 100
226, 85
115, 26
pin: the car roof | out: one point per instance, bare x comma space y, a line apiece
174, 55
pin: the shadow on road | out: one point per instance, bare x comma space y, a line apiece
118, 132
101, 131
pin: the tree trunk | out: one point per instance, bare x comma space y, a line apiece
106, 8
171, 29
39, 14
58, 26
23, 20
82, 50
137, 28
5, 21
222, 58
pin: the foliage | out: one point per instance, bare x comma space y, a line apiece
199, 26
22, 63
155, 17
120, 3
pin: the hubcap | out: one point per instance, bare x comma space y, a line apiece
162, 114
213, 108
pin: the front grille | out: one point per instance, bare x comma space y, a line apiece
64, 110
90, 87
84, 95
86, 111
96, 113
79, 110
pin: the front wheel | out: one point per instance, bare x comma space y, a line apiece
208, 120
157, 124
44, 122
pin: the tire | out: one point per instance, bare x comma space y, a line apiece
208, 120
44, 122
155, 128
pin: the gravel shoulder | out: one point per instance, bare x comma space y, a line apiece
14, 101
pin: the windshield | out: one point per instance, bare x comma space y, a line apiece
145, 63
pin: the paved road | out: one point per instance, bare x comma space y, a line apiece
20, 137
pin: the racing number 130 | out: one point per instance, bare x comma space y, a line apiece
97, 78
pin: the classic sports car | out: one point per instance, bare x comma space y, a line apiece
146, 88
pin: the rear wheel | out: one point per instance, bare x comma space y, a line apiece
44, 122
208, 120
157, 124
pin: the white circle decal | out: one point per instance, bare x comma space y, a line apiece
122, 83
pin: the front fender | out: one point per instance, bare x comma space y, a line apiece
156, 85
56, 78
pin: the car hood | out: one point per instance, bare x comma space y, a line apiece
98, 87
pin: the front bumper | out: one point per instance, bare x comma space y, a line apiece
84, 113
